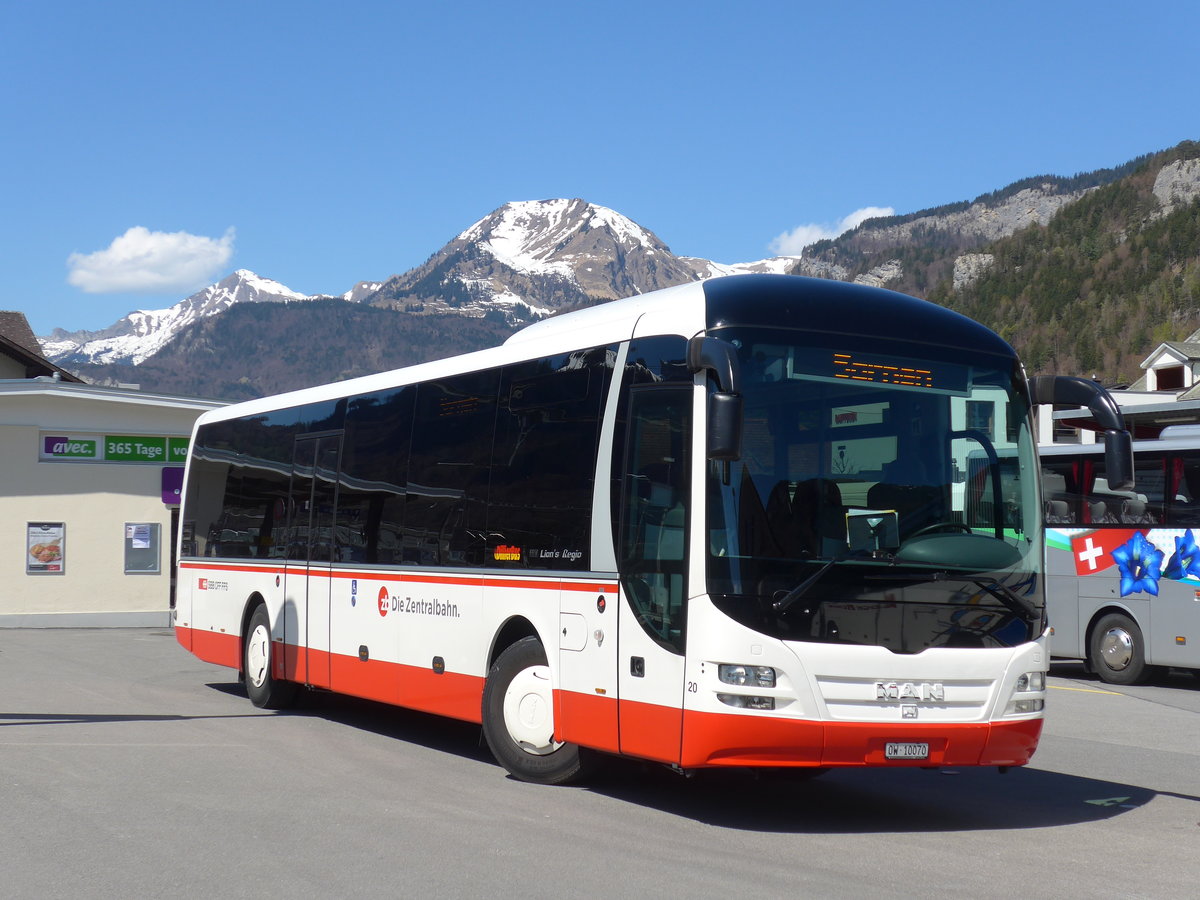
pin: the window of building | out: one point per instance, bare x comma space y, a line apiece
1169, 378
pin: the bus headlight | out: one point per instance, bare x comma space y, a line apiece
747, 676
1031, 681
1028, 683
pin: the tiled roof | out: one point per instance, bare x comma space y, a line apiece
18, 342
15, 327
1189, 349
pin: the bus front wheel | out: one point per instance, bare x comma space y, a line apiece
265, 691
1117, 651
518, 717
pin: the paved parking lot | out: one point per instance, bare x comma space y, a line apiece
129, 768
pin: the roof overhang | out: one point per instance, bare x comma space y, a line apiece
48, 388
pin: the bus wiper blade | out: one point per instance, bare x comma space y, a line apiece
1011, 599
785, 602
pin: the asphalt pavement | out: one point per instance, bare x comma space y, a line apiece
129, 768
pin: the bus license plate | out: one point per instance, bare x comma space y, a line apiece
906, 751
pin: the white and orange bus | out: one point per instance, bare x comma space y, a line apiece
722, 524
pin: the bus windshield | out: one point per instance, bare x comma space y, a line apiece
886, 493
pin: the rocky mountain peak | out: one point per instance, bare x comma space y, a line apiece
546, 235
529, 259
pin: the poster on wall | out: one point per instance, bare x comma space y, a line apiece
141, 548
44, 548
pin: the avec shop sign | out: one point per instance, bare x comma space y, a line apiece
147, 448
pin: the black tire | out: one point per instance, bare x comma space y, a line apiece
1117, 651
266, 692
518, 717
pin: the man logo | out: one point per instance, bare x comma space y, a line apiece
928, 692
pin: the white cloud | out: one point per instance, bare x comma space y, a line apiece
151, 262
791, 243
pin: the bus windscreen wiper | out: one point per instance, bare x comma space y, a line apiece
1010, 599
1014, 602
785, 602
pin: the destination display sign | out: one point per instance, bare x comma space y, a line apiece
122, 448
871, 368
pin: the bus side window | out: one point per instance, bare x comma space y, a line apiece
1060, 491
1146, 506
375, 474
547, 435
446, 494
1184, 493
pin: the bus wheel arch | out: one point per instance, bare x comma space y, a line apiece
258, 649
518, 716
514, 629
1116, 648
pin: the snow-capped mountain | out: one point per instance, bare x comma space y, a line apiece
144, 332
530, 259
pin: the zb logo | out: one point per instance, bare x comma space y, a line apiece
385, 601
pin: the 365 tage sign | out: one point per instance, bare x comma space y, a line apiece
161, 449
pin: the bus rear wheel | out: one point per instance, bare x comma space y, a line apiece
1117, 651
518, 717
266, 692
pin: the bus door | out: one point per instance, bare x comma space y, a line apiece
310, 553
653, 566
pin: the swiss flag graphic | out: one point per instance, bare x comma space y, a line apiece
1093, 551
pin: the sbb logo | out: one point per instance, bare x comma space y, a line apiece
384, 601
203, 585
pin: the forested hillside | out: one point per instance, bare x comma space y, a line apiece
1100, 286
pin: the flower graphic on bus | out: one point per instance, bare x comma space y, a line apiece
1185, 560
1140, 565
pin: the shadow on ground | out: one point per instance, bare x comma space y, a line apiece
847, 801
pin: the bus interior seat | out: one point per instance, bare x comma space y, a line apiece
1135, 512
1058, 512
807, 519
818, 504
1098, 512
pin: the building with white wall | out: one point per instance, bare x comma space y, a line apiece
89, 480
1167, 393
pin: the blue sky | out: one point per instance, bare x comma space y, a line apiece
149, 149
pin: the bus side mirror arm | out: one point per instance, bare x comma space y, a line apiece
725, 406
1068, 390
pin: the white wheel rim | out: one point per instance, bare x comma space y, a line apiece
529, 711
258, 655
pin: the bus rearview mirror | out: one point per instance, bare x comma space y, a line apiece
725, 404
724, 426
1118, 460
1067, 390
